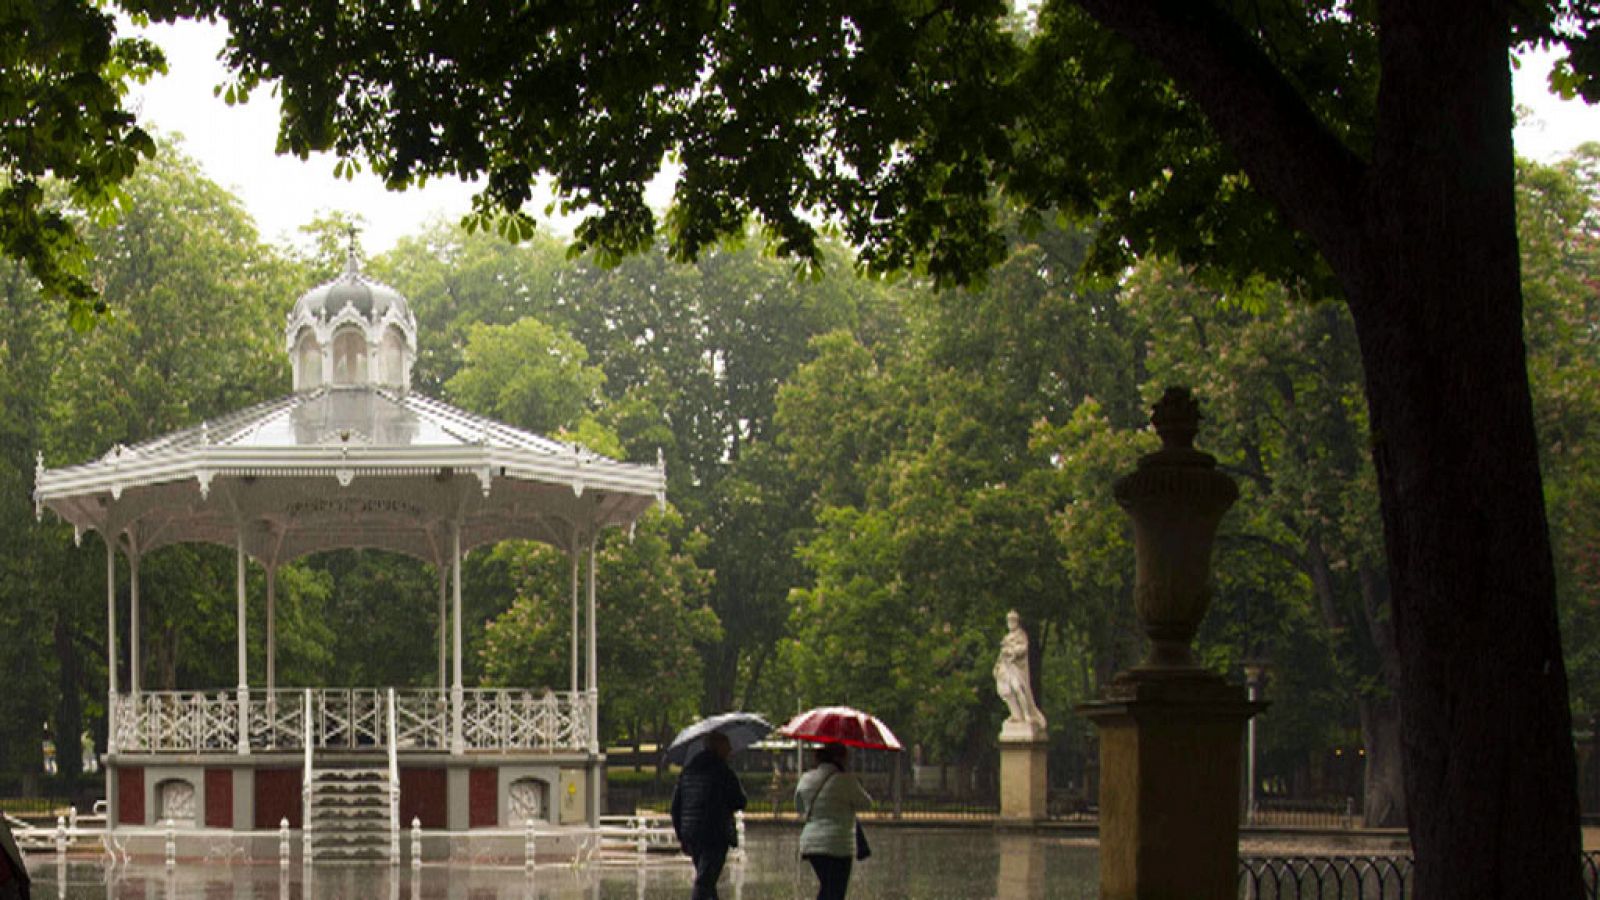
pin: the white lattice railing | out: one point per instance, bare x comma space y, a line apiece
422, 719
178, 721
352, 718
277, 719
497, 719
349, 717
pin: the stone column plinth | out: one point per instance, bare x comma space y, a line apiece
1023, 753
1169, 786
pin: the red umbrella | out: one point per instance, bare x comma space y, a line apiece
841, 725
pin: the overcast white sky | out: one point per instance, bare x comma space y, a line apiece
234, 144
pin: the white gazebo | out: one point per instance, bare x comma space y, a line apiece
353, 458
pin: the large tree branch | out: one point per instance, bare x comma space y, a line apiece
1288, 152
1277, 548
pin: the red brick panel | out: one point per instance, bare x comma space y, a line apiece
423, 795
130, 796
219, 798
277, 797
483, 798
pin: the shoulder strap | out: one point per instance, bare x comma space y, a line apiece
812, 806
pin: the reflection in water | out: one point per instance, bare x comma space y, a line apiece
907, 864
1021, 868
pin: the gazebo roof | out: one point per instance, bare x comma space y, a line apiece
353, 458
349, 466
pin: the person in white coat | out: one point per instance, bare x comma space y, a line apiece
829, 798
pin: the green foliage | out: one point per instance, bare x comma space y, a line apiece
1096, 539
63, 81
861, 639
921, 444
526, 374
456, 280
1559, 220
652, 614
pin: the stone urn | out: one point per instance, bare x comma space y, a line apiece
1176, 499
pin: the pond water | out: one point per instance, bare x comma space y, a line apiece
907, 864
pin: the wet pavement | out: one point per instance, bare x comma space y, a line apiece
907, 864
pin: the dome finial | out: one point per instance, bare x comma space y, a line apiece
352, 264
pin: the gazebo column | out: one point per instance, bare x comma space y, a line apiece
576, 555
458, 695
244, 684
111, 643
133, 624
272, 630
593, 676
444, 628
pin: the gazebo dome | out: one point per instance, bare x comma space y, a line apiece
352, 330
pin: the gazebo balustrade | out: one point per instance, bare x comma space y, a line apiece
493, 719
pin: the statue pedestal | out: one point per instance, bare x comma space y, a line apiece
1023, 753
1169, 785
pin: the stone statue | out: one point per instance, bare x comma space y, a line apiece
1012, 682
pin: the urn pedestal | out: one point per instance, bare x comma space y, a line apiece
1170, 730
1024, 751
1169, 787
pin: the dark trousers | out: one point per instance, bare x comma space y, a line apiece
833, 875
708, 861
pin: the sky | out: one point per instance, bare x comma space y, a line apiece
235, 147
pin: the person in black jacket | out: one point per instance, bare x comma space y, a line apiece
703, 804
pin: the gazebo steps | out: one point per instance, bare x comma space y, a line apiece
349, 815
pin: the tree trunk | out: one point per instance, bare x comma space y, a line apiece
167, 658
69, 705
720, 677
1422, 235
752, 686
1384, 801
1383, 781
1485, 725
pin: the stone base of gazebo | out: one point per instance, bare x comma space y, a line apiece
471, 807
354, 763
442, 791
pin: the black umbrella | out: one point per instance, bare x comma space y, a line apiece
742, 729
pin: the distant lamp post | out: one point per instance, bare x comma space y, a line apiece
1255, 675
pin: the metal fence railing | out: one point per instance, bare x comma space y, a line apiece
1320, 814
1324, 878
767, 798
1351, 877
